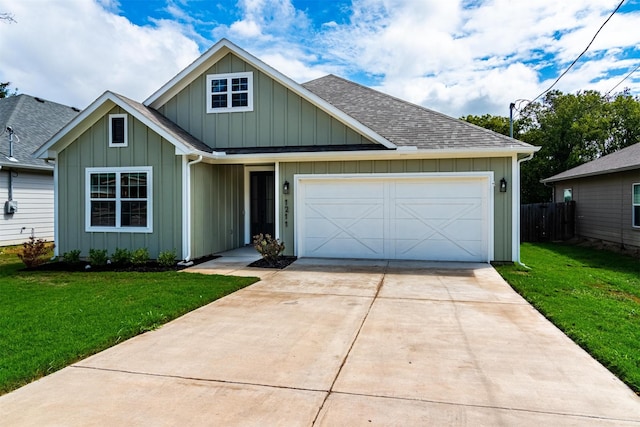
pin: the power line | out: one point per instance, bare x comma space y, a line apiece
579, 56
625, 78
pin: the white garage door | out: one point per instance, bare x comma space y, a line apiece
443, 217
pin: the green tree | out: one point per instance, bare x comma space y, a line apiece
5, 92
571, 129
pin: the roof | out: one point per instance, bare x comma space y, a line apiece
406, 124
34, 121
622, 160
179, 134
184, 142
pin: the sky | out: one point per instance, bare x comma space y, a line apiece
458, 57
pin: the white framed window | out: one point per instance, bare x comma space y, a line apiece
229, 92
119, 199
635, 205
118, 130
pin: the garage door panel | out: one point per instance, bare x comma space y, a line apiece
416, 218
346, 247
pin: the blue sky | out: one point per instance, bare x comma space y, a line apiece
456, 56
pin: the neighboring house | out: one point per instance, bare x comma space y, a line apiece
26, 182
607, 196
230, 148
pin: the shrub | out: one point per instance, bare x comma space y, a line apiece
98, 256
167, 258
33, 252
268, 247
72, 257
140, 256
121, 256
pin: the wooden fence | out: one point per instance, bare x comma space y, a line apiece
547, 222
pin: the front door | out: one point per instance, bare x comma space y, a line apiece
262, 209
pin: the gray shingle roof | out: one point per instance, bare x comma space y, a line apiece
170, 127
34, 121
626, 159
406, 124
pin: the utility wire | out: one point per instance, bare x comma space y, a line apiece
625, 78
579, 56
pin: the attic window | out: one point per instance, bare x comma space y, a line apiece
118, 130
229, 92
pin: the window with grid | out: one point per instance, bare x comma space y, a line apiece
119, 199
636, 205
229, 92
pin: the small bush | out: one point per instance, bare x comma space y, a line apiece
98, 256
268, 247
121, 256
33, 252
167, 258
72, 257
140, 256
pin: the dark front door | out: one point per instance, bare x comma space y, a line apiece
262, 207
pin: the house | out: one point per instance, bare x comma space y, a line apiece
26, 182
230, 148
607, 196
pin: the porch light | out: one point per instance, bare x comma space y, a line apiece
285, 187
503, 185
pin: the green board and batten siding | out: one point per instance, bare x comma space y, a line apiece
279, 117
145, 148
217, 208
501, 167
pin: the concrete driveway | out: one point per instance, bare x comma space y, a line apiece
340, 343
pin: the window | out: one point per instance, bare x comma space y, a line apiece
568, 194
118, 130
636, 205
229, 92
118, 199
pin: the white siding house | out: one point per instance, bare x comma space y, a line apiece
26, 183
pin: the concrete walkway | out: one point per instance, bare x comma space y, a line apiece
340, 343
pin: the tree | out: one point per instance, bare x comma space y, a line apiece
571, 129
5, 92
7, 17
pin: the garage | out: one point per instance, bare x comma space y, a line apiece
440, 217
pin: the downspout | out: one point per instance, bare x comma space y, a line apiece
186, 203
517, 209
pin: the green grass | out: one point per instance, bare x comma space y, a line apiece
591, 295
49, 320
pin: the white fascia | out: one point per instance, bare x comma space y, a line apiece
362, 155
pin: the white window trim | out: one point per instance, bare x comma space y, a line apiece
633, 206
119, 229
126, 130
229, 76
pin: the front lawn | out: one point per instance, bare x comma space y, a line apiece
592, 295
49, 320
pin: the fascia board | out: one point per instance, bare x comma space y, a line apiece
589, 174
224, 46
92, 114
358, 155
76, 126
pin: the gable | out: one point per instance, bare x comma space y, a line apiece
279, 117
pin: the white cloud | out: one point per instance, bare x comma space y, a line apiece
71, 52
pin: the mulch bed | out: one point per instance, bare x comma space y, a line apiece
283, 262
148, 267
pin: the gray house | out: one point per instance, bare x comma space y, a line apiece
230, 148
26, 182
607, 196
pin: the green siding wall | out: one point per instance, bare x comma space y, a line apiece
501, 167
279, 117
145, 148
217, 208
